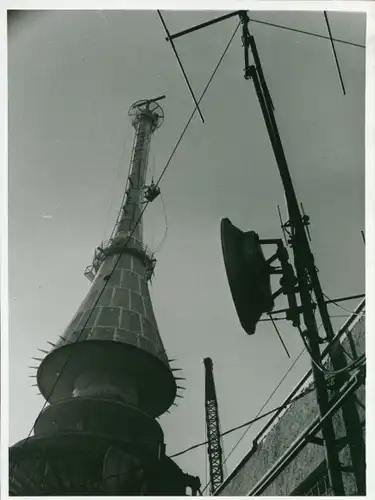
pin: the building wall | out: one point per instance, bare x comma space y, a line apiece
291, 424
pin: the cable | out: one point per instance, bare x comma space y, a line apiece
264, 405
321, 368
166, 225
304, 393
268, 399
281, 407
129, 237
331, 316
345, 315
180, 64
83, 327
308, 33
279, 335
255, 419
117, 176
284, 405
203, 25
199, 100
272, 393
343, 308
80, 334
153, 167
334, 52
124, 194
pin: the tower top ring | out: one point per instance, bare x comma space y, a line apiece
147, 108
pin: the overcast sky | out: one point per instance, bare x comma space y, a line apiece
72, 77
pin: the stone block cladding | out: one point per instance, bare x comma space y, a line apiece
123, 310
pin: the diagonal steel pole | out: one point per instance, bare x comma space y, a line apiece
308, 280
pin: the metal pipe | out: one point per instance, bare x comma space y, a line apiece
181, 66
303, 261
258, 21
325, 353
300, 442
203, 25
349, 297
334, 52
245, 19
330, 301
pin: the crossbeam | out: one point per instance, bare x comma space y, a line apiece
170, 37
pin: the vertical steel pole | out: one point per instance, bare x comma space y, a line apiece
302, 256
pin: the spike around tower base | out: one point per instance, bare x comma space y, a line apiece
108, 376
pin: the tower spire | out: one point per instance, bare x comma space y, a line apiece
107, 377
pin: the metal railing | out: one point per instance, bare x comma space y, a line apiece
118, 245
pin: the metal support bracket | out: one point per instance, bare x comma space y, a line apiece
315, 440
288, 280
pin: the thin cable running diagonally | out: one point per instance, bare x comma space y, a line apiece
334, 52
233, 429
255, 419
180, 64
350, 366
279, 335
353, 44
267, 400
287, 28
331, 316
262, 408
268, 413
347, 315
343, 308
196, 107
360, 367
203, 443
79, 336
111, 200
129, 237
166, 225
353, 365
199, 100
123, 197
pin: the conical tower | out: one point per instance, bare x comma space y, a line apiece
108, 376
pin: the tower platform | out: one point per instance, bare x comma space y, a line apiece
108, 376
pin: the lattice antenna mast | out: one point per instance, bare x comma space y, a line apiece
215, 449
146, 117
108, 377
252, 286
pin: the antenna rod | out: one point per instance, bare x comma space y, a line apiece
308, 279
265, 23
334, 52
181, 66
279, 335
203, 25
